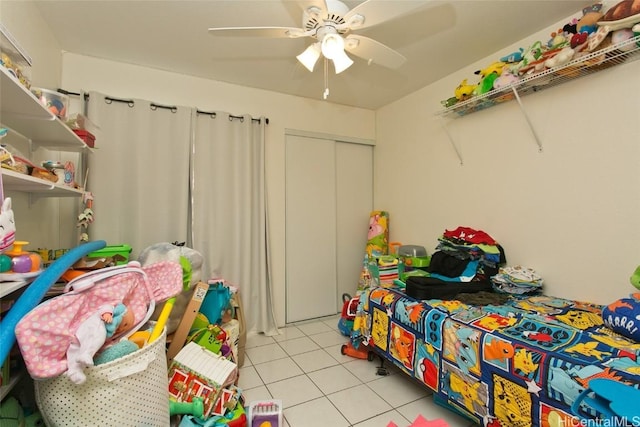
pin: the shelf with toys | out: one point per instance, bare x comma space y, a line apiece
28, 119
601, 38
626, 51
17, 181
23, 113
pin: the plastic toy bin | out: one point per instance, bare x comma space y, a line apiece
110, 251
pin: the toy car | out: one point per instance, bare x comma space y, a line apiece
362, 352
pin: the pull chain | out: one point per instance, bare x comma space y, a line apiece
325, 94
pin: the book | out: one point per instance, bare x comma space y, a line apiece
198, 372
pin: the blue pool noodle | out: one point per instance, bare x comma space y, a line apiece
34, 293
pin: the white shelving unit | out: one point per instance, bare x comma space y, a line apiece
21, 112
593, 62
28, 119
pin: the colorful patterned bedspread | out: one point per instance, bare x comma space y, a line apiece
519, 364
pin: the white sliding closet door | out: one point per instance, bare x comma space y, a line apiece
354, 195
329, 192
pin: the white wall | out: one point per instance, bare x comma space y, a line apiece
569, 212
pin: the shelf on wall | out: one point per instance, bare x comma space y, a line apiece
17, 181
593, 62
21, 111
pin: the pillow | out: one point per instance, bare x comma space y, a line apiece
623, 316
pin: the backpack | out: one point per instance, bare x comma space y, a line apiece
46, 332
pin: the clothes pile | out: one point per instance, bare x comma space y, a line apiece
465, 255
517, 280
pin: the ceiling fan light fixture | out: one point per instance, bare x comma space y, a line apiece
332, 46
310, 56
341, 62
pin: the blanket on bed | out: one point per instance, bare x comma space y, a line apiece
519, 364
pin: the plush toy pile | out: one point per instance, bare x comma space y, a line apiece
598, 28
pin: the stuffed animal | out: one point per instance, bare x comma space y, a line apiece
590, 16
635, 278
91, 336
464, 90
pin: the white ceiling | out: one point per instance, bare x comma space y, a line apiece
437, 39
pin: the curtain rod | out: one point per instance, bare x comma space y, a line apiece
231, 116
154, 106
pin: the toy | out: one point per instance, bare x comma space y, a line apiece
590, 16
36, 291
622, 35
265, 414
191, 262
7, 222
194, 408
505, 79
513, 57
464, 90
46, 333
362, 352
91, 336
23, 262
486, 84
635, 278
496, 68
349, 308
116, 351
561, 58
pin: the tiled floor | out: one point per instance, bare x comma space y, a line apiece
319, 387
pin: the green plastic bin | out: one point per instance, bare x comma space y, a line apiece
110, 251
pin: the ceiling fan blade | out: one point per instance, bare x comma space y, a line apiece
378, 11
373, 51
271, 32
306, 4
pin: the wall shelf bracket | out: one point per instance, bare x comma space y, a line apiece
526, 116
451, 140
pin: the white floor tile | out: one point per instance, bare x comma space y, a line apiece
333, 379
294, 391
383, 420
363, 369
315, 327
326, 339
431, 411
359, 403
265, 353
249, 378
256, 394
298, 346
315, 413
288, 333
398, 390
320, 387
314, 360
278, 370
257, 340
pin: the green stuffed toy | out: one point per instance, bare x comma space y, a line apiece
635, 278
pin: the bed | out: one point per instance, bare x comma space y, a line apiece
521, 363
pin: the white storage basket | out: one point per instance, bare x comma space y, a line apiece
131, 391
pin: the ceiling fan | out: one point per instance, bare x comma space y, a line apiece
331, 23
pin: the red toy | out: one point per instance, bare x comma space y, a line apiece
362, 352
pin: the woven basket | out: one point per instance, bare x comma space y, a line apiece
130, 391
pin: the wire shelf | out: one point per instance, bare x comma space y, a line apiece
613, 55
